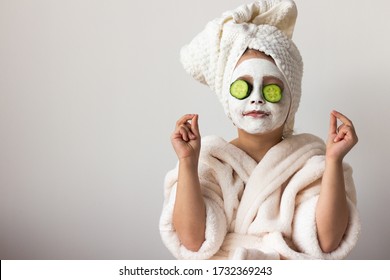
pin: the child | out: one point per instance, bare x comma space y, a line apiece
268, 194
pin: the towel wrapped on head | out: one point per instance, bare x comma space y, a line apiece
266, 26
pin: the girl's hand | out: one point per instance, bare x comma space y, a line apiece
341, 138
186, 137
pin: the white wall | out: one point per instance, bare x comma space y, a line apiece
89, 94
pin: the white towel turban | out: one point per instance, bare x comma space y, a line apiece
265, 25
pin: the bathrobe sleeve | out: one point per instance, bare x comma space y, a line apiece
216, 224
304, 233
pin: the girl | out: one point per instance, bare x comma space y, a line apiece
268, 194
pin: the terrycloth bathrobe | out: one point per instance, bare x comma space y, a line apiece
262, 210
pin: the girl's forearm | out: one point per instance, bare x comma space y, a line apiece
189, 214
332, 212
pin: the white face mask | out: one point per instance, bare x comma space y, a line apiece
254, 114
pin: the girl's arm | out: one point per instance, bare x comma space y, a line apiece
332, 213
189, 213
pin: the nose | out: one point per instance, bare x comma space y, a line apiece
257, 101
256, 97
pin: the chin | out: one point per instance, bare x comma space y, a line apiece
256, 130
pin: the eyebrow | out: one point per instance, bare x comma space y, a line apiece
273, 78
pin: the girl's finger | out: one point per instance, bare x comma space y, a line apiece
188, 127
183, 130
342, 118
195, 125
333, 124
340, 136
184, 119
345, 130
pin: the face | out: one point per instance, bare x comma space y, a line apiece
254, 114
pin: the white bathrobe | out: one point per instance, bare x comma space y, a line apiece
264, 210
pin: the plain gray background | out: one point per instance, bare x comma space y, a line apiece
90, 92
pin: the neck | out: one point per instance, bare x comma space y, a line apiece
257, 145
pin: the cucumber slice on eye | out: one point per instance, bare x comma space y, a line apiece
272, 93
240, 89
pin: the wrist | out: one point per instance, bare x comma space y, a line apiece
333, 160
190, 162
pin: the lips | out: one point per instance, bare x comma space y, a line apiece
256, 114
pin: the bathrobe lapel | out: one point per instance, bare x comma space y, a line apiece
279, 164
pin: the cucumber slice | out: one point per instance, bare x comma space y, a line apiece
240, 89
272, 93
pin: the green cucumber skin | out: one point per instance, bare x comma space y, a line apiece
279, 93
247, 93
